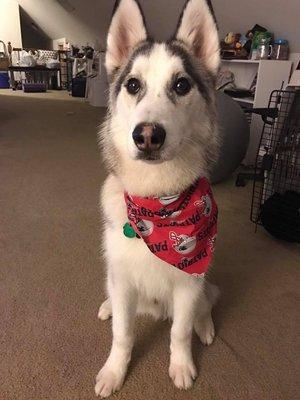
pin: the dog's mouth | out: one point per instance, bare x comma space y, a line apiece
156, 156
151, 156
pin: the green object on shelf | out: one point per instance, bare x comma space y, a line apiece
129, 231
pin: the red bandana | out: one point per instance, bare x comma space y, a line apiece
181, 229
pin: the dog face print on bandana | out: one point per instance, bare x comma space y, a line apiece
181, 229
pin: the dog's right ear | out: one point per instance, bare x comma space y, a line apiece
126, 30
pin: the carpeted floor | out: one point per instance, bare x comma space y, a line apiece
52, 278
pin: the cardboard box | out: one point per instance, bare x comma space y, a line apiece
295, 79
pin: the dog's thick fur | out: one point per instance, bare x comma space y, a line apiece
137, 280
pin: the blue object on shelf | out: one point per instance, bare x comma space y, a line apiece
4, 80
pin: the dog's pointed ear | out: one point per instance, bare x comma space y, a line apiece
198, 30
126, 30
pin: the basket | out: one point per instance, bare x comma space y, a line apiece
4, 59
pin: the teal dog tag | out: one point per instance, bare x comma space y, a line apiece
129, 231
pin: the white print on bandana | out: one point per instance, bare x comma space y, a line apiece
183, 244
205, 204
168, 199
145, 227
211, 242
175, 214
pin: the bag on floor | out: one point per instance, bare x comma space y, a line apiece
280, 216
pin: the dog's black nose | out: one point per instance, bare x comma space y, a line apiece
149, 137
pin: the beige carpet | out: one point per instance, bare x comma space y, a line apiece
51, 278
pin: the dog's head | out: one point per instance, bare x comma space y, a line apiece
162, 94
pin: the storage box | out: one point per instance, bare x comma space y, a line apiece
295, 79
34, 87
4, 80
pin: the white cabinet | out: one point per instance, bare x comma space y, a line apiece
271, 75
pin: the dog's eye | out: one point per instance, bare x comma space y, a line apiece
182, 86
133, 86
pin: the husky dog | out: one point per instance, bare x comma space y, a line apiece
159, 136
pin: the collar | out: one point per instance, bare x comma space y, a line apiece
179, 229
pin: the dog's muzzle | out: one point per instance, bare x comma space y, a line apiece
149, 138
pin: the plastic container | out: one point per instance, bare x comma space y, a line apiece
264, 49
280, 50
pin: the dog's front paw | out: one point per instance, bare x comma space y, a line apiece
108, 382
183, 374
105, 310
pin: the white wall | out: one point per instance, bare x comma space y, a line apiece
82, 26
10, 29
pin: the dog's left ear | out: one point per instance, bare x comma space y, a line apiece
126, 30
198, 30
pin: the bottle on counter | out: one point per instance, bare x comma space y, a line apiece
280, 50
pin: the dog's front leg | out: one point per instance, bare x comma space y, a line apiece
182, 369
111, 376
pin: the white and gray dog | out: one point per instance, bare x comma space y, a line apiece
159, 137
